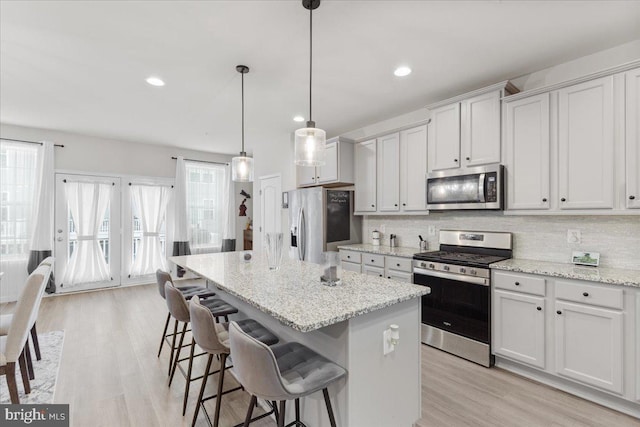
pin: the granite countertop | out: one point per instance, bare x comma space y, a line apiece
613, 276
382, 250
294, 294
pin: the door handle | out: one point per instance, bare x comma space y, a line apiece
59, 239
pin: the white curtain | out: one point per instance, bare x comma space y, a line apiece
88, 203
181, 230
229, 217
151, 204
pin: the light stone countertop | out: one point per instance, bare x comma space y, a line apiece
612, 276
294, 294
382, 250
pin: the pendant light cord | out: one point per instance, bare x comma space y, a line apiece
310, 55
242, 112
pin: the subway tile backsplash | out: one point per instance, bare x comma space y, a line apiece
543, 238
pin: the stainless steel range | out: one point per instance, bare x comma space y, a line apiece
456, 315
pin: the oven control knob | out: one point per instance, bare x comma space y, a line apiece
445, 268
473, 271
431, 266
463, 270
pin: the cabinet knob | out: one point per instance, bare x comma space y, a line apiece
585, 294
398, 265
372, 261
563, 200
388, 277
559, 312
404, 204
317, 177
373, 206
349, 256
468, 158
395, 204
455, 160
539, 308
381, 275
517, 283
544, 199
632, 197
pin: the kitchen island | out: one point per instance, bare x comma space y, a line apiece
344, 323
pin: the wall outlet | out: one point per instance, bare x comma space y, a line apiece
387, 347
432, 230
574, 236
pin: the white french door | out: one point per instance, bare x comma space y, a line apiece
87, 232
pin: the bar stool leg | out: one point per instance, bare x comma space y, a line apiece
173, 345
36, 344
247, 419
202, 387
177, 355
29, 360
275, 409
164, 333
281, 414
297, 402
332, 419
223, 367
25, 373
188, 379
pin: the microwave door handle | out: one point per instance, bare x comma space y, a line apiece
481, 194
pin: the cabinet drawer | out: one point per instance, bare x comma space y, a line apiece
350, 256
400, 276
375, 260
589, 294
351, 266
399, 264
520, 283
373, 271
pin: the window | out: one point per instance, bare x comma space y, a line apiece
18, 164
205, 189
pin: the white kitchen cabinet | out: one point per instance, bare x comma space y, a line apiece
388, 152
400, 276
519, 327
413, 169
632, 82
338, 167
444, 138
351, 266
480, 138
527, 152
589, 345
365, 176
370, 270
586, 145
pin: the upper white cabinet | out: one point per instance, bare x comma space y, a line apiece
527, 152
413, 169
365, 176
465, 130
444, 146
389, 173
632, 196
585, 145
481, 129
338, 167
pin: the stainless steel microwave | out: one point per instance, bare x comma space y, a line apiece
471, 188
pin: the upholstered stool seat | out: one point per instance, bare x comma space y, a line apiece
250, 327
282, 372
218, 307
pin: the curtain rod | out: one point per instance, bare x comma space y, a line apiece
202, 161
31, 142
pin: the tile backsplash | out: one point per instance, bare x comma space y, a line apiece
543, 238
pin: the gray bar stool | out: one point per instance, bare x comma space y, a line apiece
214, 339
189, 291
179, 309
283, 372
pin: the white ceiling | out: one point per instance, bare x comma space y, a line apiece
81, 66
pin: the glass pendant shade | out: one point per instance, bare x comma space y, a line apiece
242, 168
310, 146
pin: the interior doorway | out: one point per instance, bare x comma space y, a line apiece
270, 205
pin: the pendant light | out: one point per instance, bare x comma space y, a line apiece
242, 166
310, 141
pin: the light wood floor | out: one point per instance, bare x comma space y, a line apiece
110, 375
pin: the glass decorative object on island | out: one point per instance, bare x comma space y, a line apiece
274, 242
331, 269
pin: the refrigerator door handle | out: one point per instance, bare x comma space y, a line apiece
303, 235
299, 234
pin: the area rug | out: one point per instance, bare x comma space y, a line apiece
43, 387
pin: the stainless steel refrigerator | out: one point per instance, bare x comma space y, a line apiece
320, 219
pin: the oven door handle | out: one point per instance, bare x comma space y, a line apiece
452, 276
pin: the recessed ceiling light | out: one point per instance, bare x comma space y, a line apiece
402, 71
155, 81
298, 119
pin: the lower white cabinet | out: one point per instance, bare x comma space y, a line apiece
589, 345
370, 270
352, 266
373, 264
519, 327
400, 276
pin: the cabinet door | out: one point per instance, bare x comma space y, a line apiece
444, 138
589, 345
527, 152
518, 327
351, 266
365, 180
481, 129
373, 271
413, 169
633, 138
400, 276
329, 172
585, 138
306, 175
389, 173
